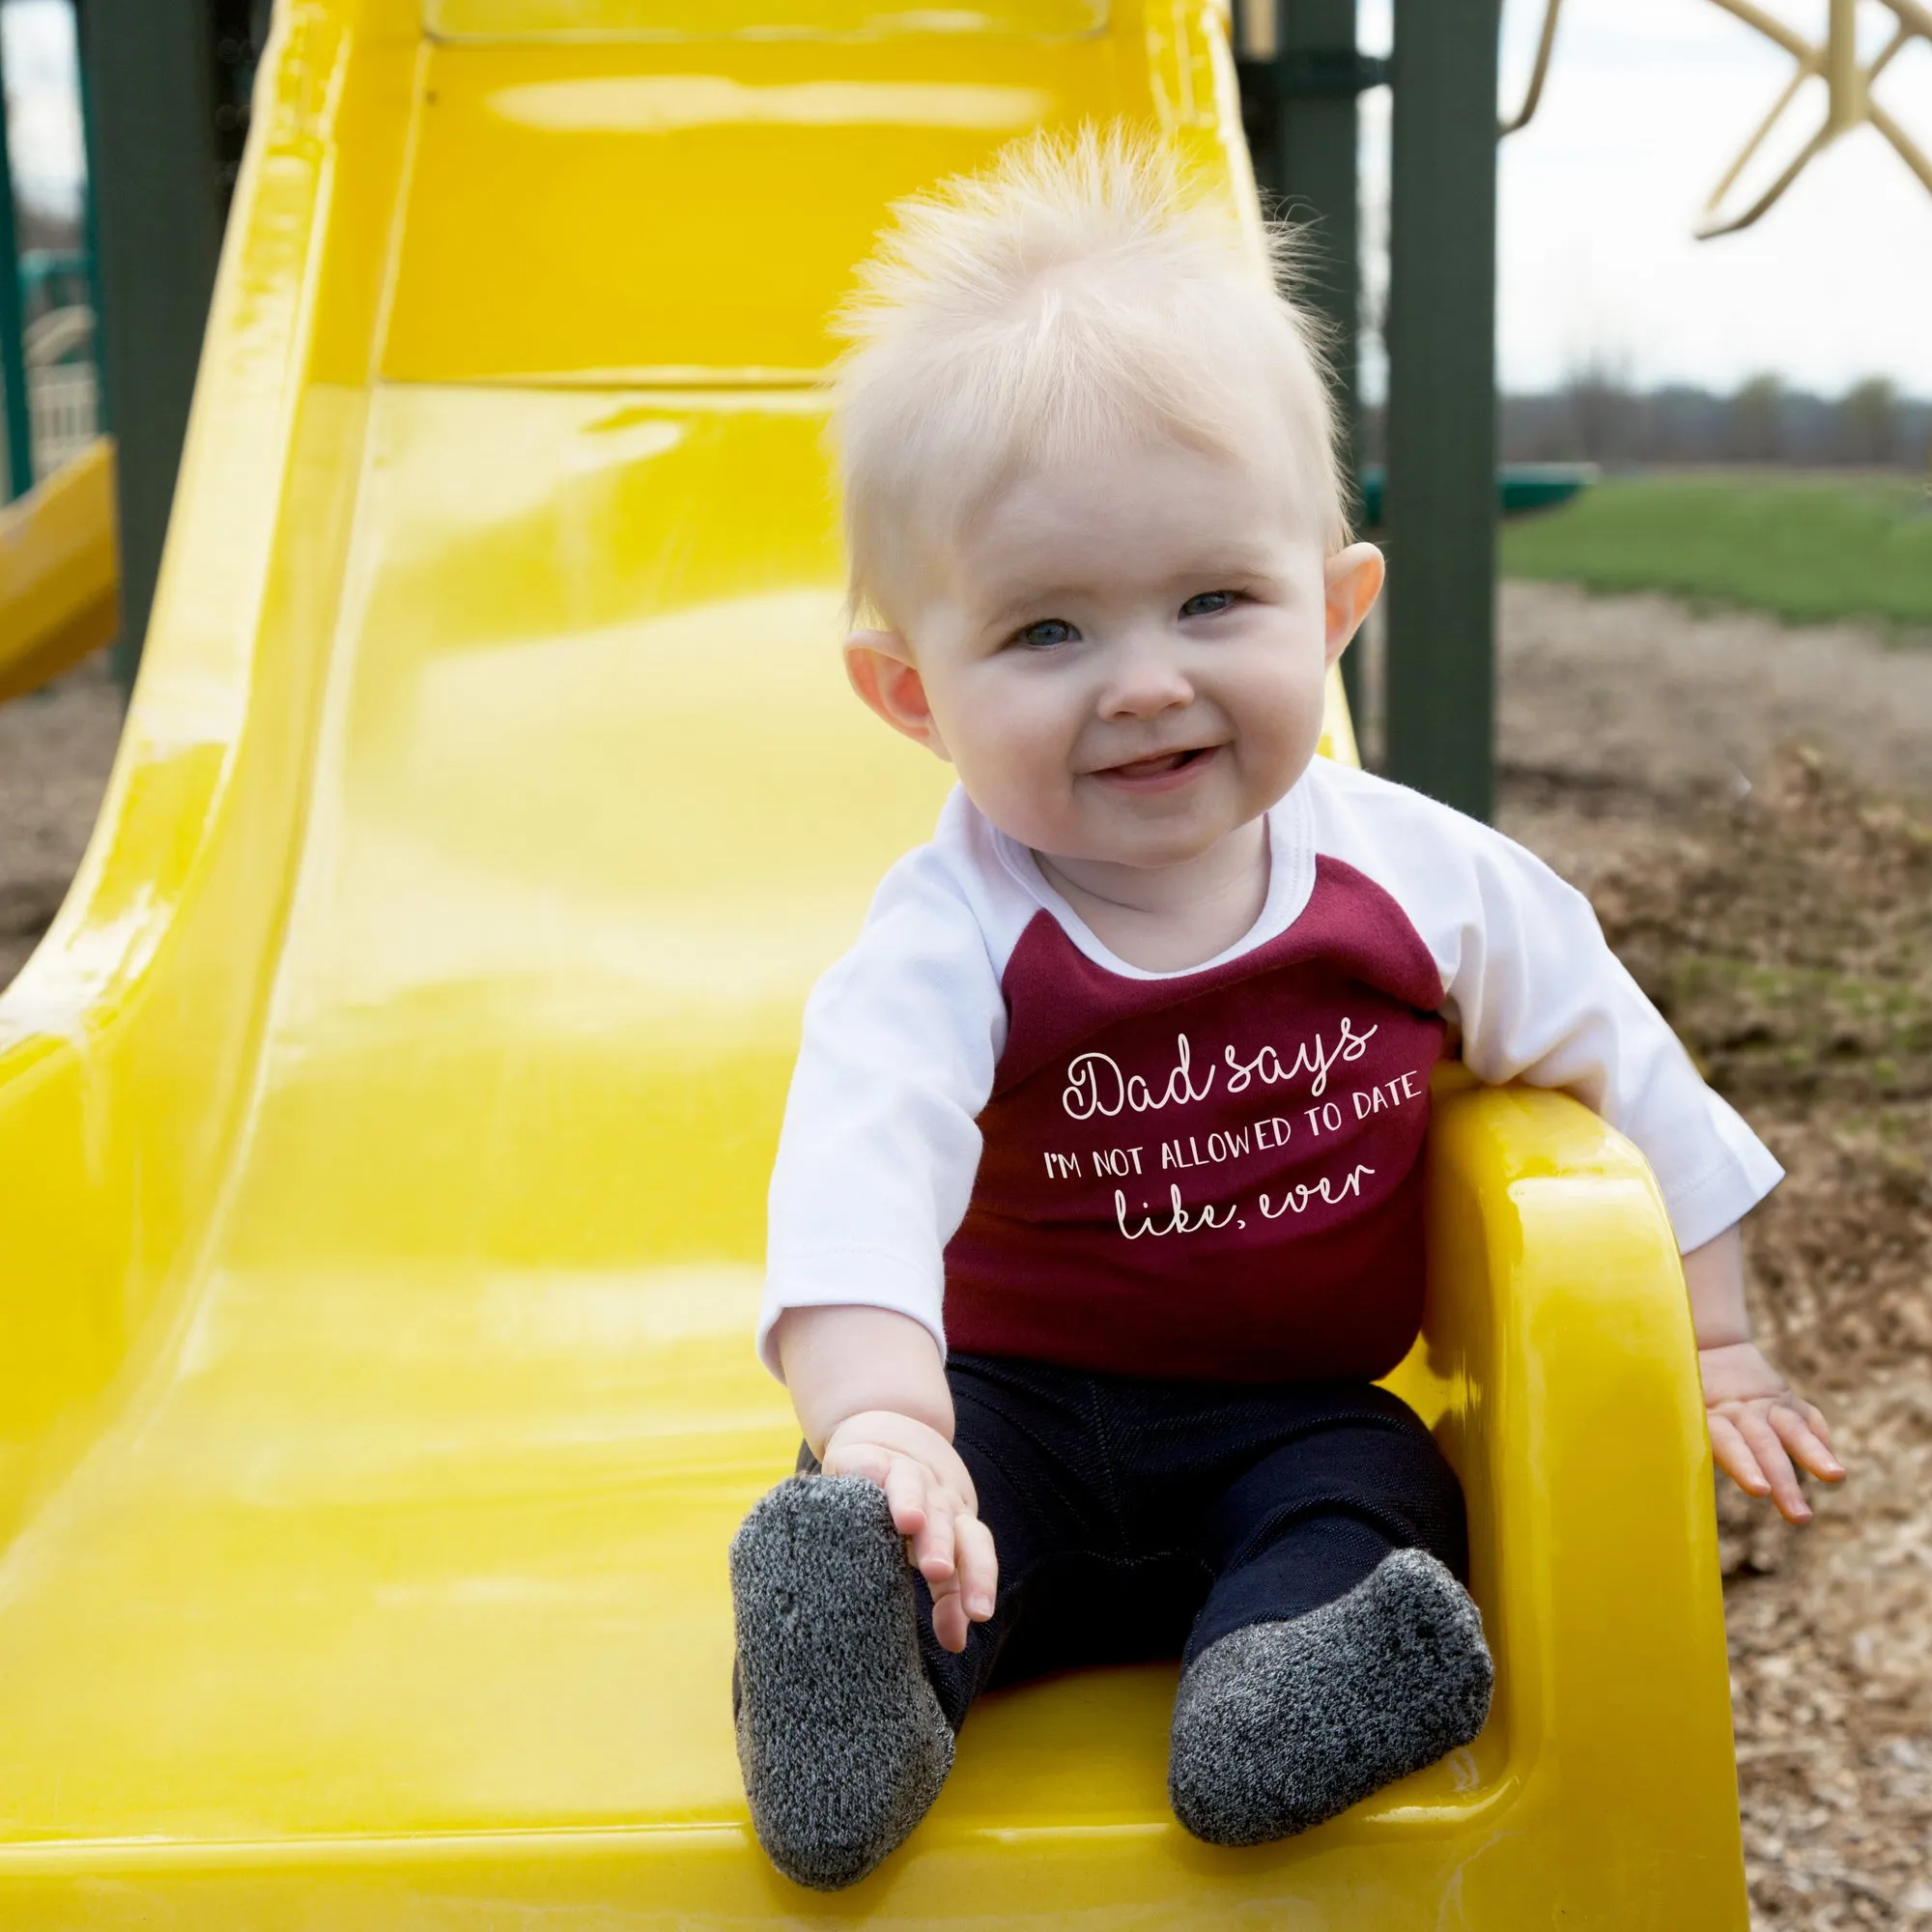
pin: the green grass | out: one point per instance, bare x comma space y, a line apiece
1807, 547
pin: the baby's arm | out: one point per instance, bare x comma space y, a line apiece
874, 1170
871, 1397
1759, 1426
1539, 996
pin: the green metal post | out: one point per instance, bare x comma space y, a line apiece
1441, 514
158, 210
1301, 118
13, 330
1320, 189
1315, 176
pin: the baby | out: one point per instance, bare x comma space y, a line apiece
1097, 1212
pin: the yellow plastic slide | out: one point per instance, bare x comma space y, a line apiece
385, 1124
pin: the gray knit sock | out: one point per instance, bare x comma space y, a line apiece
1281, 1725
840, 1739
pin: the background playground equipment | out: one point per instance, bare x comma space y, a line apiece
59, 562
170, 82
59, 573
57, 349
47, 379
1849, 100
385, 1120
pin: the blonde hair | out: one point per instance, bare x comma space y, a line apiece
1079, 295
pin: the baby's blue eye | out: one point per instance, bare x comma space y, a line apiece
1209, 604
1046, 633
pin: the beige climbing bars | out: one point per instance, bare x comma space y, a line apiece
1849, 103
1545, 45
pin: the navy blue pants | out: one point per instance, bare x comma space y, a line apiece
1143, 1518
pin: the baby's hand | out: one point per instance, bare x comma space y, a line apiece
934, 1507
1759, 1427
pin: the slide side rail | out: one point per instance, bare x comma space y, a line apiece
1560, 1367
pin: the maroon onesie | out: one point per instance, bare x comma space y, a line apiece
1150, 1140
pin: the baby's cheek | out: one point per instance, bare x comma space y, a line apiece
1278, 726
1276, 751
1020, 782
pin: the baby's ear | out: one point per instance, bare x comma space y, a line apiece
1352, 582
880, 666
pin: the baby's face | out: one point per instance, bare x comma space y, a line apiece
1125, 661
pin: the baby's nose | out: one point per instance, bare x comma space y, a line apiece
1143, 680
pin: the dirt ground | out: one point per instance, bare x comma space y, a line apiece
1751, 808
55, 749
1694, 776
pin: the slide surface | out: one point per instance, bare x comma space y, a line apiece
384, 1125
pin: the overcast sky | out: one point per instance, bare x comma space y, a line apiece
44, 120
1647, 101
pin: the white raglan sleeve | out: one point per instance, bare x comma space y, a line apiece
1540, 996
881, 1142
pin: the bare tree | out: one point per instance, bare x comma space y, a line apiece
1755, 431
1604, 413
1868, 423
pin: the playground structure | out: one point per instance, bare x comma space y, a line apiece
61, 572
57, 372
384, 1121
59, 562
1300, 73
1849, 100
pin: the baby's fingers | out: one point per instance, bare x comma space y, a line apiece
903, 1480
934, 1554
1731, 1455
978, 1566
860, 1458
906, 1493
964, 1585
1771, 1457
950, 1622
932, 1546
1801, 1428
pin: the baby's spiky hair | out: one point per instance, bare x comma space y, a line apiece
1080, 295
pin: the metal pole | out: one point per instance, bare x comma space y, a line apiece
1314, 175
158, 211
90, 236
1317, 146
1843, 70
1301, 78
13, 328
1441, 513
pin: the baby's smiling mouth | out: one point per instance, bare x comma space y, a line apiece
1159, 769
